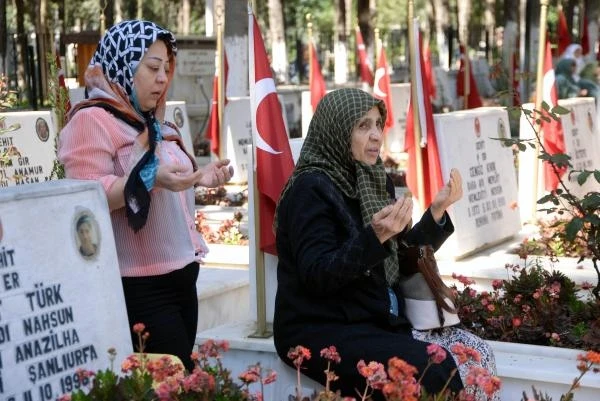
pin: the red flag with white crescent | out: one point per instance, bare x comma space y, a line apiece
213, 129
562, 32
366, 73
432, 171
317, 82
382, 88
473, 99
554, 139
274, 162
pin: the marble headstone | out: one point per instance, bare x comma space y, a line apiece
176, 113
61, 299
30, 148
488, 212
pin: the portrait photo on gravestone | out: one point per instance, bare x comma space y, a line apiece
41, 129
87, 237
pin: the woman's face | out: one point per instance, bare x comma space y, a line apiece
85, 233
152, 76
367, 136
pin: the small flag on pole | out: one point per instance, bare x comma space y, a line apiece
366, 72
554, 140
432, 173
274, 162
316, 80
382, 88
473, 99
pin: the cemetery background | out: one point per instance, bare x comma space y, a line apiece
233, 280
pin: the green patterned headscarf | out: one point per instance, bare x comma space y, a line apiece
327, 149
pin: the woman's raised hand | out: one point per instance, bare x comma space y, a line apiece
215, 174
450, 193
392, 219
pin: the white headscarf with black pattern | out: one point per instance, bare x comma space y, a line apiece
122, 47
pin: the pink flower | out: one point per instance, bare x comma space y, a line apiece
437, 354
587, 285
463, 353
298, 355
497, 284
330, 353
198, 381
138, 328
374, 372
516, 321
251, 375
130, 363
463, 279
481, 378
270, 378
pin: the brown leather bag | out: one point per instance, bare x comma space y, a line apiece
429, 303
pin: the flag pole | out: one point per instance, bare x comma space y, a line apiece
539, 88
220, 81
467, 77
413, 93
310, 55
379, 48
259, 257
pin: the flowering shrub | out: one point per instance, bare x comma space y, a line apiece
400, 382
533, 306
228, 232
163, 379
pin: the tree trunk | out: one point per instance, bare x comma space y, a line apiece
279, 61
592, 12
183, 19
340, 42
3, 36
490, 27
43, 41
510, 37
109, 14
22, 64
365, 24
464, 11
441, 11
236, 46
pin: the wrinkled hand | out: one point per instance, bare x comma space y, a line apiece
392, 219
215, 174
450, 193
175, 178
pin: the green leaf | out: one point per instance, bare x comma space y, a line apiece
583, 176
545, 105
573, 227
597, 175
560, 110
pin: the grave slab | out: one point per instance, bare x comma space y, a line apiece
61, 299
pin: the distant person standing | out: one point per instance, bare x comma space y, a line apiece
118, 137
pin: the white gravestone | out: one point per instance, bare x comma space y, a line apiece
237, 128
582, 143
394, 141
488, 212
176, 113
61, 300
30, 148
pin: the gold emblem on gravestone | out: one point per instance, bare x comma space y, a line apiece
87, 234
477, 126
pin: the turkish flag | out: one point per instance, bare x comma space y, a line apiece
562, 32
554, 139
432, 172
429, 71
585, 38
316, 80
473, 99
382, 88
274, 162
366, 73
213, 129
62, 86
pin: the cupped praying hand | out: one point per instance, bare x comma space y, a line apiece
392, 219
450, 193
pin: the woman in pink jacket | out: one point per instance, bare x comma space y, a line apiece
118, 137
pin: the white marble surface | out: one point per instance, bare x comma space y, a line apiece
520, 366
